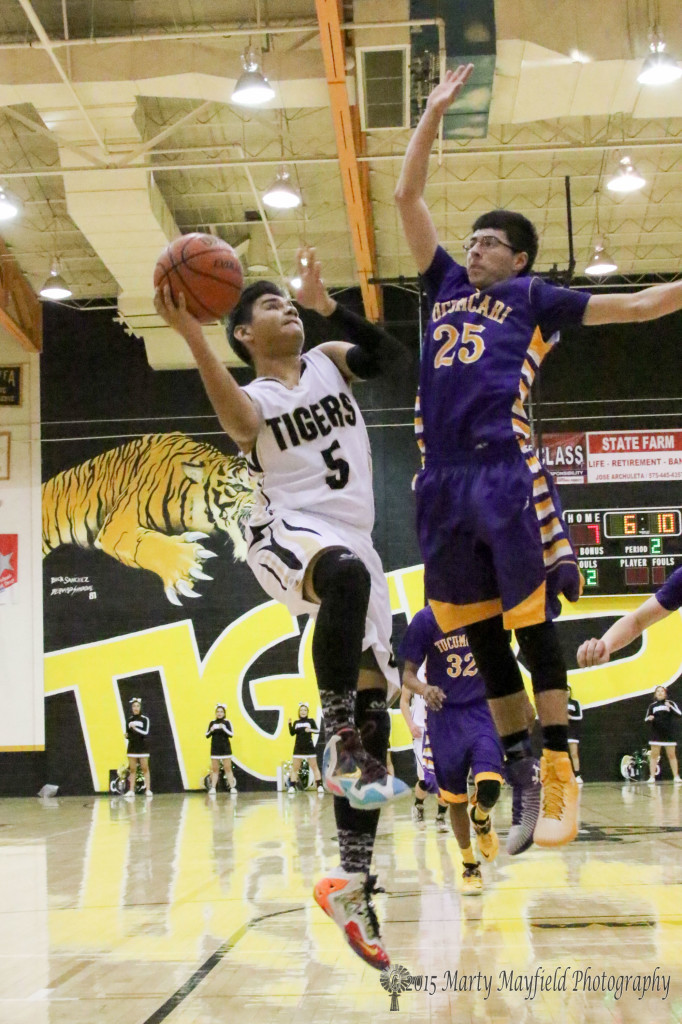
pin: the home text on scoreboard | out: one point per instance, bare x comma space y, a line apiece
625, 550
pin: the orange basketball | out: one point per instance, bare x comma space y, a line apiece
206, 270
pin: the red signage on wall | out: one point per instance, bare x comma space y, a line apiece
627, 455
9, 555
564, 456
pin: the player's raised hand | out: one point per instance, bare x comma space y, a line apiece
592, 652
312, 294
445, 93
175, 314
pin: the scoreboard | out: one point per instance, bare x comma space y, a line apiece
625, 550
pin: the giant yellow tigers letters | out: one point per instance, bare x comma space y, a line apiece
193, 687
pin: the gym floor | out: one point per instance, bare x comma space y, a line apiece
198, 910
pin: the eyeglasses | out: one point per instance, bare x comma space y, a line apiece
486, 242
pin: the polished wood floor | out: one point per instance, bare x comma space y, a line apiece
197, 910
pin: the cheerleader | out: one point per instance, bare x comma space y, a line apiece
137, 734
303, 729
575, 724
661, 732
220, 732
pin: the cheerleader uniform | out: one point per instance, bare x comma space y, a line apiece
662, 724
220, 731
137, 734
303, 729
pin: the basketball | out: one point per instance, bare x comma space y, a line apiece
206, 270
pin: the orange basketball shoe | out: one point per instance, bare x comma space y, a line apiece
558, 820
346, 897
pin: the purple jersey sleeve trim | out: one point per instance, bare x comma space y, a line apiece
433, 278
416, 642
556, 307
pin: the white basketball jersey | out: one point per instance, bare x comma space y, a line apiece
312, 452
418, 710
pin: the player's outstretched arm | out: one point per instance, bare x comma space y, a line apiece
236, 412
634, 307
624, 631
367, 349
418, 225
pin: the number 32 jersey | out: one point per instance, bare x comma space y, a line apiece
449, 661
312, 451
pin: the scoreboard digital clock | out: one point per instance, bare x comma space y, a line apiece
625, 551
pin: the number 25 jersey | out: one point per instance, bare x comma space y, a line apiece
481, 352
312, 451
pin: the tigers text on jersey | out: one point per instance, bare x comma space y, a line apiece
449, 661
312, 452
481, 352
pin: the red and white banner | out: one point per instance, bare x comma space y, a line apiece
564, 455
9, 556
624, 456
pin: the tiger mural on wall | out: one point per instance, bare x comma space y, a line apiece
148, 504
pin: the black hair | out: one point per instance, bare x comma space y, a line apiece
242, 312
518, 229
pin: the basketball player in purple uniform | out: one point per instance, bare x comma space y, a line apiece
495, 550
310, 545
462, 734
664, 602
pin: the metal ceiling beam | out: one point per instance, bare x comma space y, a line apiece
347, 137
75, 147
39, 30
478, 152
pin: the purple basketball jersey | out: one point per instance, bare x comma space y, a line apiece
481, 352
449, 661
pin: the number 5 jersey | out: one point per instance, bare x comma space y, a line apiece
312, 452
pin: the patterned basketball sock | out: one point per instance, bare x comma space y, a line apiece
356, 850
338, 710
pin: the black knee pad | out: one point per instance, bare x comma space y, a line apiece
374, 722
542, 654
340, 573
487, 792
490, 646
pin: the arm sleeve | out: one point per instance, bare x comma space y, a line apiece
292, 729
228, 727
648, 717
145, 732
374, 350
578, 713
674, 708
208, 731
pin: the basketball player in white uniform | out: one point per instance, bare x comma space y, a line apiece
309, 541
413, 709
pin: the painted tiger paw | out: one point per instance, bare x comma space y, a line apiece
190, 556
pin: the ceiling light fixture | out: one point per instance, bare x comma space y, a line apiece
9, 205
296, 283
55, 286
252, 88
282, 195
659, 68
626, 178
601, 263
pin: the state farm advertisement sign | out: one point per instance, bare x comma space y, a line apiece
629, 455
